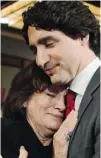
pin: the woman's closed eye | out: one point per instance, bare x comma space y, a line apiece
51, 95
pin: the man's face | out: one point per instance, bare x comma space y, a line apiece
57, 54
45, 110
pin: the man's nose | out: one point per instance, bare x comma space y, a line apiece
42, 58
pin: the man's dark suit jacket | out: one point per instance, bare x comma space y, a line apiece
85, 141
17, 133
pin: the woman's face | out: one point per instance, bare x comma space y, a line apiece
45, 109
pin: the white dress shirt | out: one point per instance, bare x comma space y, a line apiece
82, 80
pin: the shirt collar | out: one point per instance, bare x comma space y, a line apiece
81, 81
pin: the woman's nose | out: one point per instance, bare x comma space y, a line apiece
60, 104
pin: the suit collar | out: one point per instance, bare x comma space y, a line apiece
93, 85
80, 82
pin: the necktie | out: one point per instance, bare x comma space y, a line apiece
70, 100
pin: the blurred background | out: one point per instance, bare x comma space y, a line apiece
15, 54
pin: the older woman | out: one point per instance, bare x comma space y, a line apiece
36, 109
33, 111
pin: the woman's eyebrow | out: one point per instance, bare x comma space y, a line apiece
56, 89
50, 91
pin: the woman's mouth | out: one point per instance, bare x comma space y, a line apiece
60, 116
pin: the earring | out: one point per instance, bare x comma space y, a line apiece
24, 105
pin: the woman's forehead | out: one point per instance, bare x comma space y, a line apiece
56, 88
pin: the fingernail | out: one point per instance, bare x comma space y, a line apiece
22, 147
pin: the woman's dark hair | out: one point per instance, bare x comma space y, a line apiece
72, 18
28, 81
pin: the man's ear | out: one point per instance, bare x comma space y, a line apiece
85, 41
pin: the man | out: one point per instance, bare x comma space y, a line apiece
64, 37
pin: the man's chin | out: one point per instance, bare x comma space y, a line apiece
55, 79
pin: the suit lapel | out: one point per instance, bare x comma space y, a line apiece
93, 85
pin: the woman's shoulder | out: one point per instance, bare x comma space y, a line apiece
11, 137
5, 122
9, 123
10, 128
12, 132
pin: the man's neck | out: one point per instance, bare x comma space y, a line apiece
86, 60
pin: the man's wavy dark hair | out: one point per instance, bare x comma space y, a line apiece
73, 18
26, 82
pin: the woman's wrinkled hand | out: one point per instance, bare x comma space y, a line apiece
62, 136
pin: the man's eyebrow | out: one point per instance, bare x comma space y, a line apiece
46, 39
43, 40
